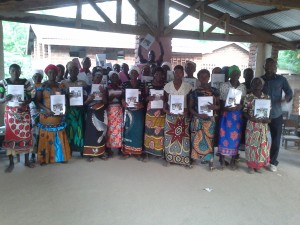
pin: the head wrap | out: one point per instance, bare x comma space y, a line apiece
111, 73
51, 67
136, 68
167, 64
233, 68
39, 71
255, 78
97, 69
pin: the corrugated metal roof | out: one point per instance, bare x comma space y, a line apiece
283, 19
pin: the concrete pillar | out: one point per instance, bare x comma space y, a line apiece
1, 71
162, 7
258, 54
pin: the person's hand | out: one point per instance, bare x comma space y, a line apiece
101, 89
90, 98
124, 104
238, 107
287, 98
212, 106
151, 98
8, 97
48, 112
138, 105
229, 108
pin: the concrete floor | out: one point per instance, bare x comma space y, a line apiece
136, 193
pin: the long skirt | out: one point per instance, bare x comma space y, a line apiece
115, 126
154, 132
177, 139
133, 134
257, 146
96, 123
74, 120
53, 142
230, 133
18, 138
35, 132
202, 139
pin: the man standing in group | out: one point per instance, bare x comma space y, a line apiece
274, 85
85, 73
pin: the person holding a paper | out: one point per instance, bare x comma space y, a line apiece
274, 86
231, 95
151, 55
190, 68
96, 119
204, 102
257, 145
76, 94
16, 93
85, 73
176, 132
124, 75
34, 112
115, 113
133, 93
155, 116
53, 142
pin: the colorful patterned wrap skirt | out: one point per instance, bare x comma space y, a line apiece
18, 137
53, 142
257, 146
202, 138
177, 139
230, 133
133, 134
154, 132
115, 126
95, 134
75, 127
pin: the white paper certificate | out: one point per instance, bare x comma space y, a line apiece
262, 108
76, 96
132, 97
203, 103
148, 41
58, 104
96, 91
191, 81
217, 80
177, 104
234, 97
157, 103
104, 80
17, 92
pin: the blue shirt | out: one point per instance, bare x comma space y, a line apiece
274, 87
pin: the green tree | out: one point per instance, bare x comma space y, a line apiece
15, 44
289, 60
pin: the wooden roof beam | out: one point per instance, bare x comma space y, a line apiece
78, 13
144, 16
280, 4
262, 13
281, 30
207, 18
30, 18
99, 11
180, 18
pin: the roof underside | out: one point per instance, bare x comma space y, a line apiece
273, 21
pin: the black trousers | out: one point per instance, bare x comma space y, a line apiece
276, 130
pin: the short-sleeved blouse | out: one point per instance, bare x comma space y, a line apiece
249, 103
224, 89
140, 86
201, 92
184, 89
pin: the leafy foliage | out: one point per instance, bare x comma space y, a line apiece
289, 60
15, 44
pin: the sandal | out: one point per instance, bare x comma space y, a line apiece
90, 159
29, 164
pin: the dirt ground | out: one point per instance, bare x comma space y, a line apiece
131, 192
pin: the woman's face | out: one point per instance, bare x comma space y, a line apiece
73, 70
134, 75
52, 75
203, 78
159, 77
235, 75
256, 85
15, 73
97, 78
114, 79
178, 74
146, 71
37, 78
